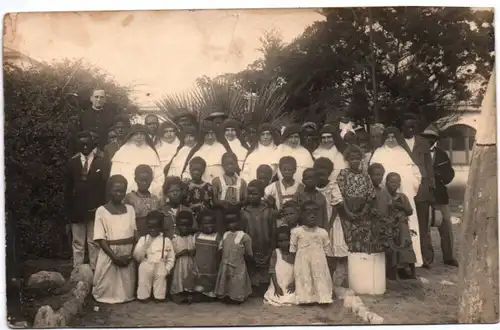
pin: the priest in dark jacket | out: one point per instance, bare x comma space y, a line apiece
444, 174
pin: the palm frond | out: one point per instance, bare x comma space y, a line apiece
173, 105
269, 106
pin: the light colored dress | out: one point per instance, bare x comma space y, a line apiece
261, 155
313, 282
233, 280
179, 161
166, 151
113, 284
285, 276
183, 264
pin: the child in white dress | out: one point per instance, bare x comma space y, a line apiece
311, 244
281, 291
156, 256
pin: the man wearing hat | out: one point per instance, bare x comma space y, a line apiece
217, 118
418, 149
186, 120
443, 174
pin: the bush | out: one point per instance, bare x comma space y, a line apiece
37, 122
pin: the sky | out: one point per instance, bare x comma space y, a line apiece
158, 52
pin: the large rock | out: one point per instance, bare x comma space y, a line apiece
47, 318
82, 273
45, 282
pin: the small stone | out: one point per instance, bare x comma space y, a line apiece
96, 308
44, 317
445, 282
375, 319
424, 280
363, 313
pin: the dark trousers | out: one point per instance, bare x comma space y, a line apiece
446, 232
423, 216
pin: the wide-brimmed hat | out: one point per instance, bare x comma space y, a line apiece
431, 131
216, 114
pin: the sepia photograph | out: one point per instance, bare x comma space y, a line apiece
250, 167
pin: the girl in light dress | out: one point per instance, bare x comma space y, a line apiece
183, 244
115, 231
281, 291
313, 258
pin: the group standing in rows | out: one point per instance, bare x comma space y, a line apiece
210, 210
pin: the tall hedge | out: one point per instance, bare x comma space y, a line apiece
38, 115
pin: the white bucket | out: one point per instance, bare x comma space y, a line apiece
367, 273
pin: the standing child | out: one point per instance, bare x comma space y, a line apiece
281, 291
289, 215
233, 283
142, 200
229, 187
259, 221
279, 192
324, 168
308, 192
199, 194
156, 258
310, 243
203, 273
399, 210
183, 244
173, 191
264, 174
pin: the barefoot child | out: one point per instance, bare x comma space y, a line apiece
183, 244
233, 283
281, 291
229, 187
156, 258
399, 210
313, 262
308, 192
259, 222
203, 273
331, 191
277, 193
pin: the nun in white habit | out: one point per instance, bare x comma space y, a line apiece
167, 143
291, 147
189, 136
232, 133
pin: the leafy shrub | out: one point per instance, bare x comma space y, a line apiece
38, 116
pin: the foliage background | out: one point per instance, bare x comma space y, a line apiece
424, 58
38, 117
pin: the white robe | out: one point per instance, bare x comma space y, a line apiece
239, 151
302, 156
179, 161
212, 154
397, 160
166, 151
335, 156
128, 157
261, 155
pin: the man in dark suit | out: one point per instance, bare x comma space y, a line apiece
419, 150
444, 174
98, 118
85, 191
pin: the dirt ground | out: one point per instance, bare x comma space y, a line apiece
408, 302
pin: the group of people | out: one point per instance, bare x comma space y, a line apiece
212, 211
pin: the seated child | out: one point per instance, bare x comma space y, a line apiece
313, 262
308, 192
142, 200
199, 193
264, 174
230, 187
233, 283
289, 215
156, 257
183, 244
403, 256
324, 168
277, 193
259, 222
173, 190
203, 273
281, 291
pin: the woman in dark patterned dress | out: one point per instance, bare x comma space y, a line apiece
359, 200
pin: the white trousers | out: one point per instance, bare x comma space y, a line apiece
152, 275
84, 233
